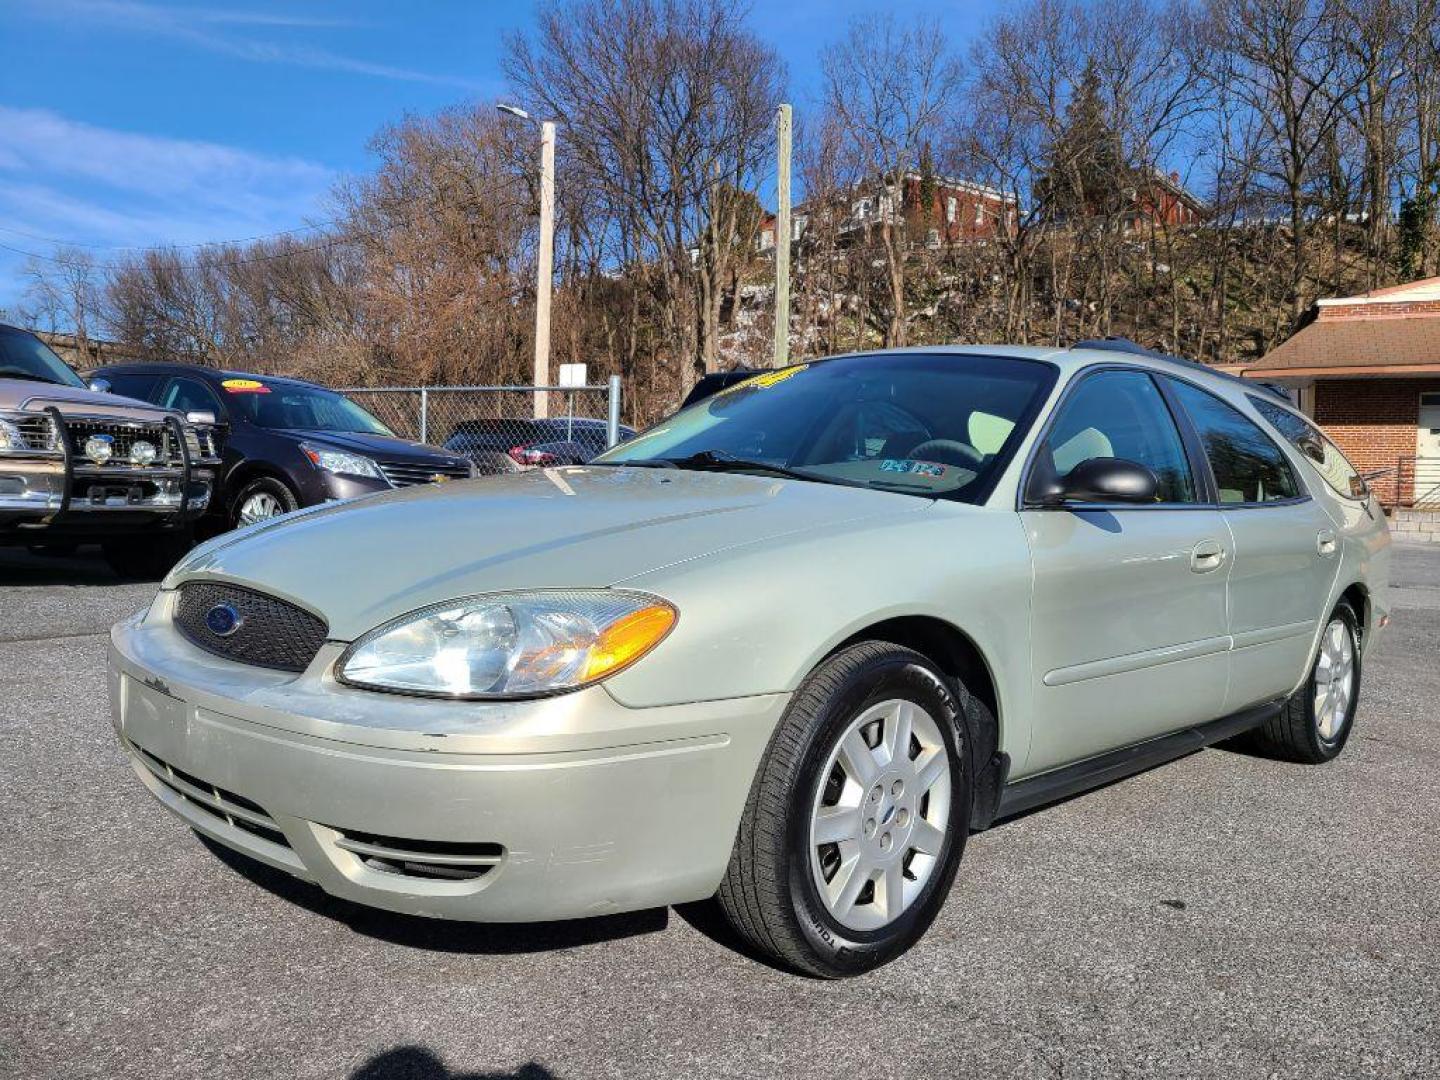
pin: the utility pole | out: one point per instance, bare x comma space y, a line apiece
782, 238
545, 258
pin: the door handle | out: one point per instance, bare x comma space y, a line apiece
1206, 556
1325, 543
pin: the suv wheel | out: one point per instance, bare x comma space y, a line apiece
261, 499
857, 818
1316, 721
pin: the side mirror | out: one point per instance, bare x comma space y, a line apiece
100, 385
200, 416
1097, 480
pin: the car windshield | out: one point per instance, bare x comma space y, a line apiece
930, 424
24, 356
292, 407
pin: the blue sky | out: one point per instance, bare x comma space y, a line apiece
133, 123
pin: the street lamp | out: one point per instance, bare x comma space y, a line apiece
546, 255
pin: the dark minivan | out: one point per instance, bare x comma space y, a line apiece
504, 445
284, 443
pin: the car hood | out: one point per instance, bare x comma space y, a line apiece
387, 447
362, 563
34, 396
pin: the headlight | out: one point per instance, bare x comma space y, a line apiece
509, 644
340, 461
10, 437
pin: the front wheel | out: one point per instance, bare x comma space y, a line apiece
260, 500
1315, 722
857, 819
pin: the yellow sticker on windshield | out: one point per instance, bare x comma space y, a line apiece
245, 386
768, 378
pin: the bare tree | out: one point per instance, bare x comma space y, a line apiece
890, 87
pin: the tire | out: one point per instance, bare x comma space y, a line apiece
772, 891
1308, 729
146, 558
264, 492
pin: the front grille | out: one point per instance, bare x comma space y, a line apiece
445, 860
123, 435
263, 630
406, 473
38, 433
226, 806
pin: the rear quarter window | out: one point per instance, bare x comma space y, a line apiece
1329, 462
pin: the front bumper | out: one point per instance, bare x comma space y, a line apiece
507, 812
42, 494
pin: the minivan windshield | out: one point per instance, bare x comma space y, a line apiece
25, 356
930, 424
295, 407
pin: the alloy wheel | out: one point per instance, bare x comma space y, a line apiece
259, 507
1334, 680
879, 817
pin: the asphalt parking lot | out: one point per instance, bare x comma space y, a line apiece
1223, 915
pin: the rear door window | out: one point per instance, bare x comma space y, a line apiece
1249, 468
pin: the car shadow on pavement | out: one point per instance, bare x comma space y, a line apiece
420, 1063
19, 567
441, 935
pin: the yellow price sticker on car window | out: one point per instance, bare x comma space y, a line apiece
245, 386
766, 379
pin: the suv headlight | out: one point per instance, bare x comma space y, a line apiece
341, 461
509, 644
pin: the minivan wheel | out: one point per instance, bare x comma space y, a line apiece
261, 499
1315, 722
857, 818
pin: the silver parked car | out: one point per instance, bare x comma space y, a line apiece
785, 649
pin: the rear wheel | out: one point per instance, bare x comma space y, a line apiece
261, 499
1316, 721
857, 818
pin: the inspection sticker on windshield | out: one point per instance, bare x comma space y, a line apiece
915, 468
245, 386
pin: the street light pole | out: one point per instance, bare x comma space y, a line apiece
546, 261
782, 239
545, 256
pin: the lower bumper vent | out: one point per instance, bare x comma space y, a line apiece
216, 802
431, 859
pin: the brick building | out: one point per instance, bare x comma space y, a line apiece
959, 211
1367, 369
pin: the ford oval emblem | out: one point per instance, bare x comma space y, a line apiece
222, 620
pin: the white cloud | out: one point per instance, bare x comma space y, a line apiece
108, 190
42, 142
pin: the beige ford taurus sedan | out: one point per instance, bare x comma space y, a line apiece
785, 649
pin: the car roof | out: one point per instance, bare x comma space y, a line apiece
210, 374
1101, 351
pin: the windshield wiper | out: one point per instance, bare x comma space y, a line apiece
721, 461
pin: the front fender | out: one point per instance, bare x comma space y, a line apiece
757, 619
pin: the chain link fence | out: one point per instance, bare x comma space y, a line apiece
502, 428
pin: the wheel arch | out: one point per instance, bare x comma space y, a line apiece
247, 471
1358, 597
957, 655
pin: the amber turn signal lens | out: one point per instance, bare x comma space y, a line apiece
627, 639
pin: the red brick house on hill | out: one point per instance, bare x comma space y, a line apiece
959, 211
1367, 369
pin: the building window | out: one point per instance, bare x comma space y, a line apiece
950, 209
979, 213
